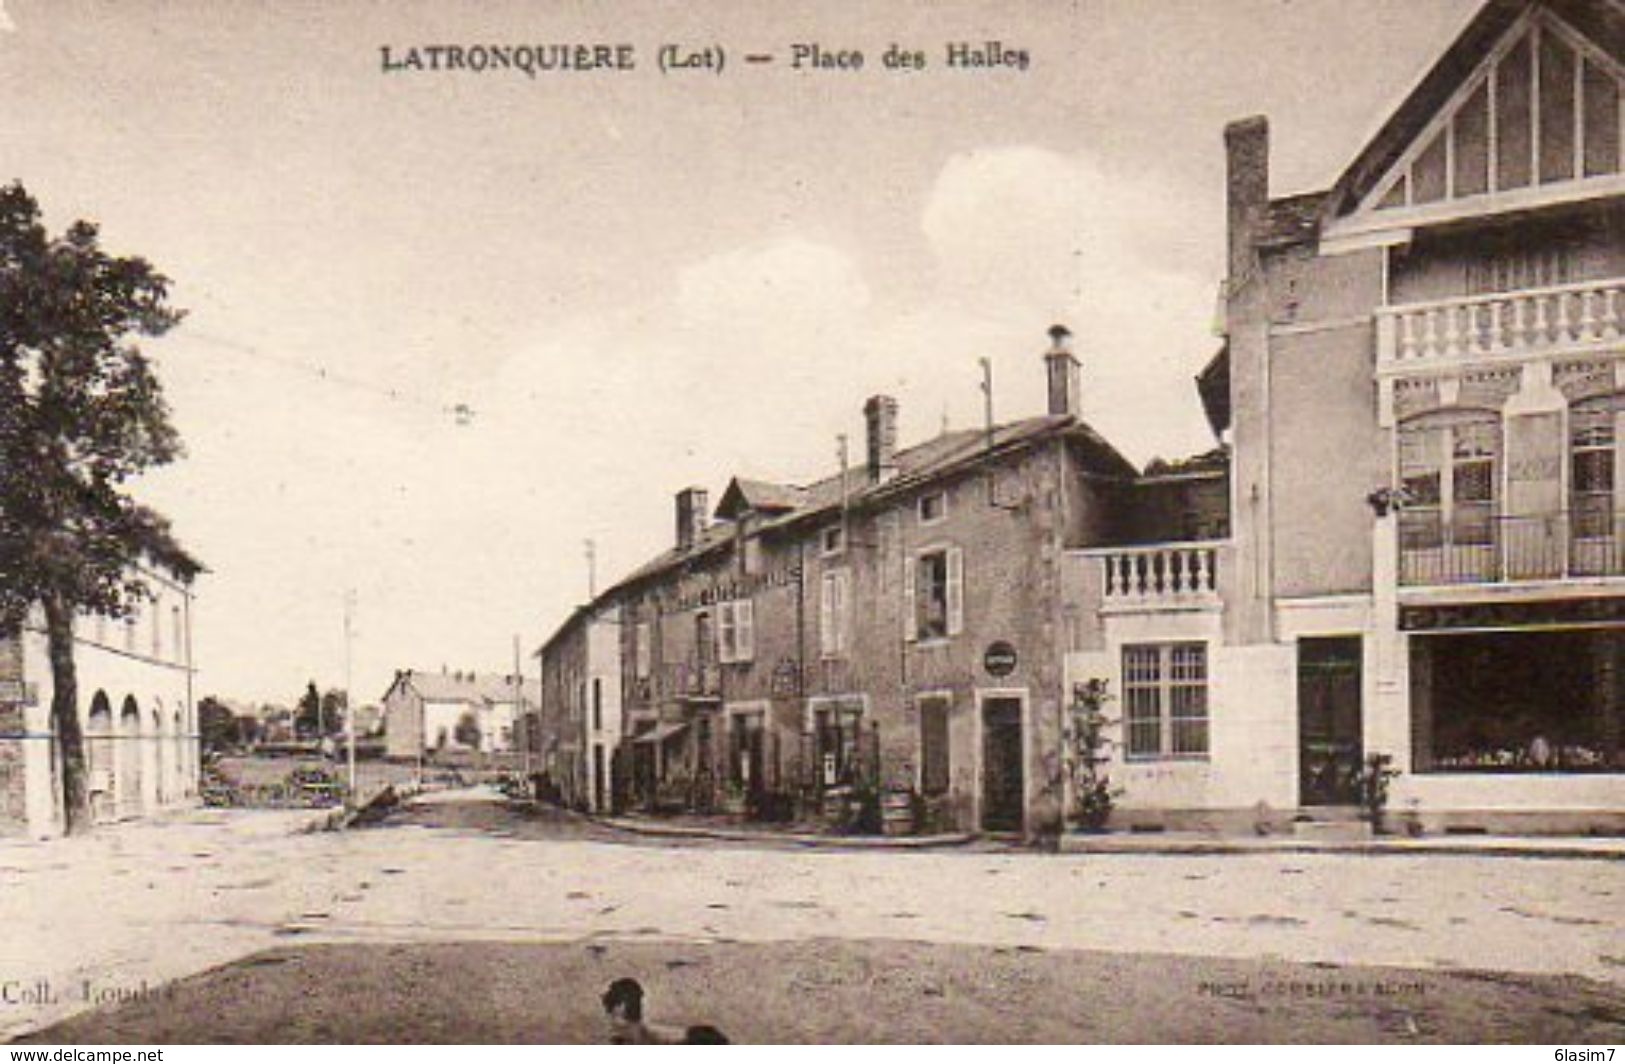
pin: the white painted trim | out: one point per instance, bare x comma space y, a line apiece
1514, 591
1441, 122
1329, 325
1456, 365
1484, 205
1332, 245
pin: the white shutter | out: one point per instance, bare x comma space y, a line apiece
911, 624
843, 610
725, 632
956, 591
744, 631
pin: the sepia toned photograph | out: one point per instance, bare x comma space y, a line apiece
948, 521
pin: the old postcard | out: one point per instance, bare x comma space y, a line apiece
824, 522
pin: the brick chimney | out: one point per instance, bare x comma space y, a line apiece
1064, 375
1247, 188
880, 416
692, 510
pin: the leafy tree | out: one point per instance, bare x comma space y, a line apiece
335, 704
81, 415
307, 718
217, 725
468, 730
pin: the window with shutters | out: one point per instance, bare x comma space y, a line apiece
937, 592
834, 613
934, 761
736, 631
1165, 699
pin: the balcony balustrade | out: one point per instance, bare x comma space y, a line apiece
1159, 575
1567, 319
696, 680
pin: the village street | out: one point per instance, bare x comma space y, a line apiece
120, 914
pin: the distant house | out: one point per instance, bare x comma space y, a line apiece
135, 707
425, 712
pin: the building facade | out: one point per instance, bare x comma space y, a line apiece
1424, 384
136, 712
900, 626
581, 742
428, 713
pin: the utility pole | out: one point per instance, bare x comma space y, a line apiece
987, 397
522, 718
592, 569
349, 694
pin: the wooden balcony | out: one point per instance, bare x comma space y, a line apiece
1574, 319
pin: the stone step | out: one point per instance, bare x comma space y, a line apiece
1332, 830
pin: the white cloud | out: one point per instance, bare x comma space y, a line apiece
1024, 237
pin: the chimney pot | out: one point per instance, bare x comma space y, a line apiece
1064, 376
880, 418
1247, 187
692, 509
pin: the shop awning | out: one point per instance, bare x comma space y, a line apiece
661, 732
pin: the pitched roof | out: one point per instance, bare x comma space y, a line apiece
1601, 21
1208, 463
469, 687
1213, 386
760, 496
945, 455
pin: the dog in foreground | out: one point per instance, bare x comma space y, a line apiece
623, 1002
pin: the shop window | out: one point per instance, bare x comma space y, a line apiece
838, 732
935, 586
1520, 702
1165, 699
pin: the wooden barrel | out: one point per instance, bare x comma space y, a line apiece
897, 813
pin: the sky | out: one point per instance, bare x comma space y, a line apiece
635, 281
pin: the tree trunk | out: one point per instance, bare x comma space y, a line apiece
65, 714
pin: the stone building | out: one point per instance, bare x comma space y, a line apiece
899, 625
1423, 383
581, 739
430, 712
136, 712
